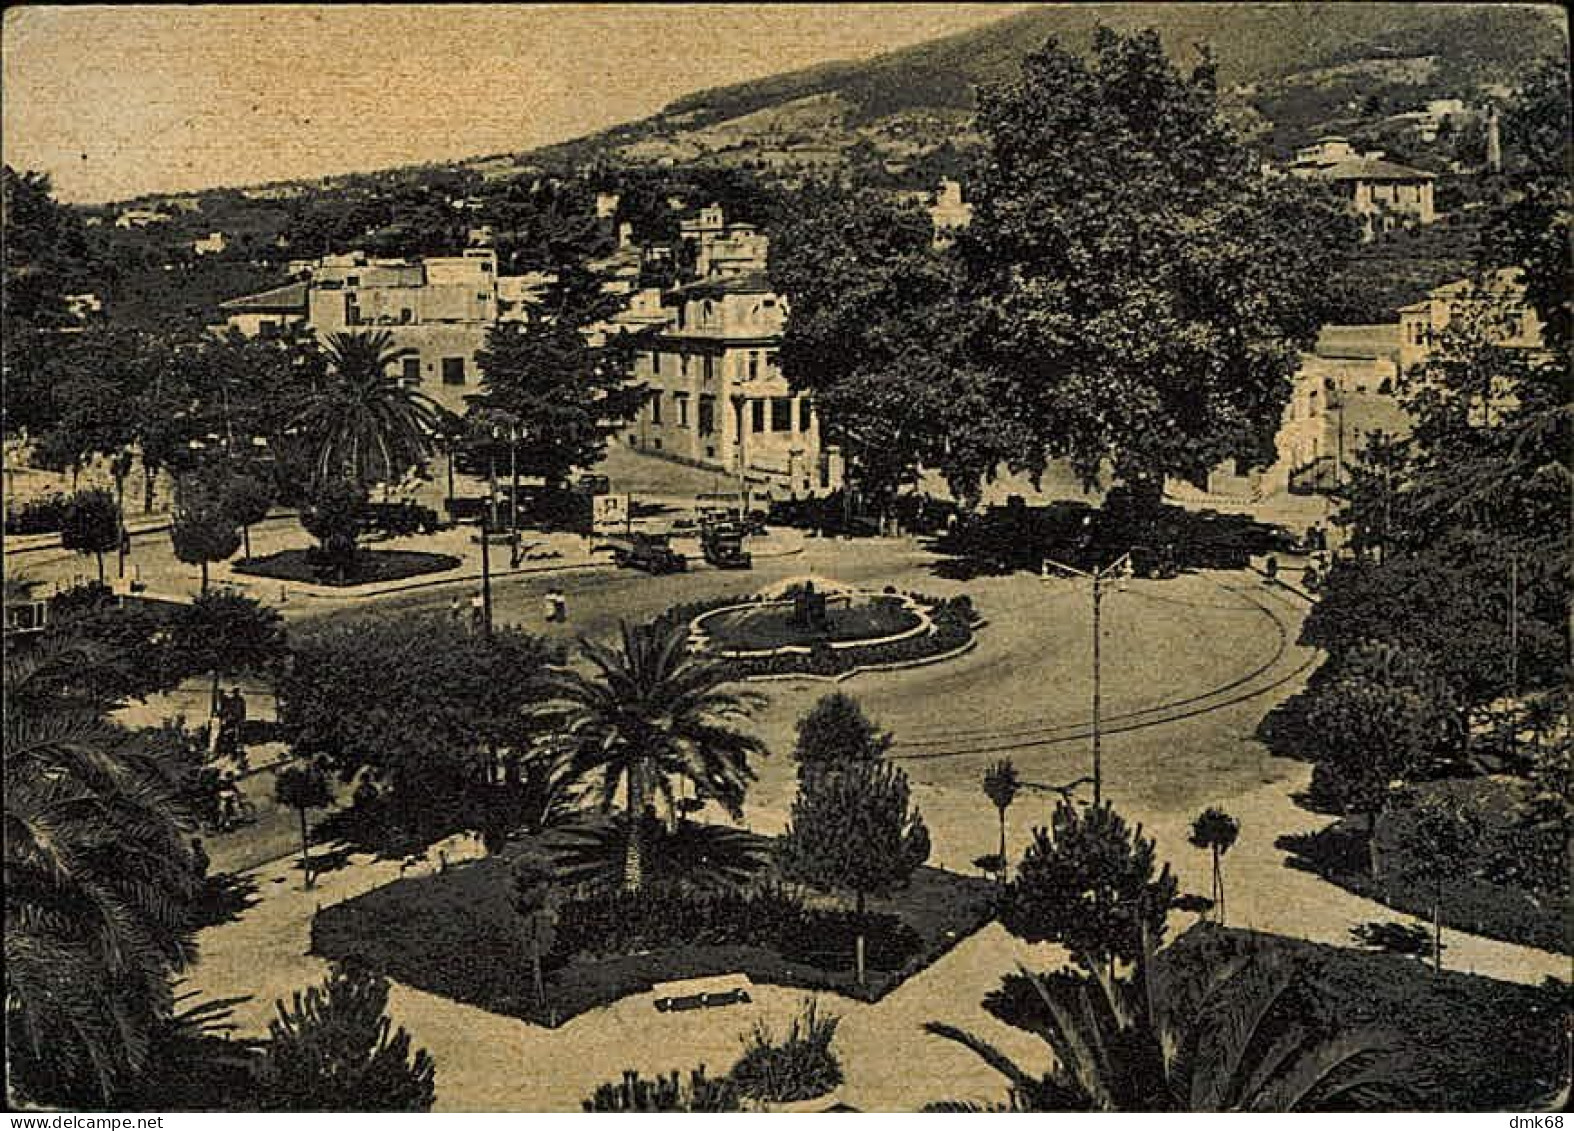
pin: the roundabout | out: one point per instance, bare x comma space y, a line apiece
804, 616
820, 628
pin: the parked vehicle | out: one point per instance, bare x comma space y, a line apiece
398, 518
595, 485
652, 553
722, 545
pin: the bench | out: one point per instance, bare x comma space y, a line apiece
701, 993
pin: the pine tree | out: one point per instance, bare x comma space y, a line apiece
335, 1049
853, 829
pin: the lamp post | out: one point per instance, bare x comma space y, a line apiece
1099, 576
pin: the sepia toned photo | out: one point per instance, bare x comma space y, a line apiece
786, 558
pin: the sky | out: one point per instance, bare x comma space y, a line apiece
114, 102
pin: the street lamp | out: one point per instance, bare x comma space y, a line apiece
1116, 569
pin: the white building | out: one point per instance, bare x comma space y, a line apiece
717, 395
949, 212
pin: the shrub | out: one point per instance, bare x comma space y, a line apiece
334, 1049
800, 1067
43, 515
634, 1093
654, 918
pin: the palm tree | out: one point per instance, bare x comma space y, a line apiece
1232, 1039
1215, 830
99, 881
362, 422
1001, 785
648, 714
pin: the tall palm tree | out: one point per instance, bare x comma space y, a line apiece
362, 422
1231, 1039
1001, 785
650, 713
1215, 830
98, 878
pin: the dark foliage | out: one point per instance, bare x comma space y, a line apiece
334, 1049
799, 1066
635, 1093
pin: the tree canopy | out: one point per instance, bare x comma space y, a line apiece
413, 701
1089, 881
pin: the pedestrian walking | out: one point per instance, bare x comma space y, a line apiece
456, 610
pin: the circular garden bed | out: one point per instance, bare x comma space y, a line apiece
771, 635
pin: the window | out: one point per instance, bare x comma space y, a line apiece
754, 364
481, 296
683, 409
412, 370
804, 410
453, 371
655, 406
353, 281
406, 315
781, 414
707, 415
655, 362
757, 424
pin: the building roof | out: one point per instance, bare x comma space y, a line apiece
288, 299
748, 283
1363, 343
1373, 169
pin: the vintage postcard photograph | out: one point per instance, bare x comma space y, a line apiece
786, 558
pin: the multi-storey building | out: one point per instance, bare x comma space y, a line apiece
1383, 194
1496, 304
1345, 390
717, 395
437, 311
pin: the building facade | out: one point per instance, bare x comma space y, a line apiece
717, 397
1383, 194
1496, 304
437, 311
1346, 389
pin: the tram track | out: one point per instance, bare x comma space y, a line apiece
976, 741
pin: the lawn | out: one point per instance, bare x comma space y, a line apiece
1471, 902
370, 566
455, 934
758, 628
1487, 1045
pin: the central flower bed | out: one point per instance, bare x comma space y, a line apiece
766, 627
818, 627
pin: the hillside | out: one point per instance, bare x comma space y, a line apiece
1289, 71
